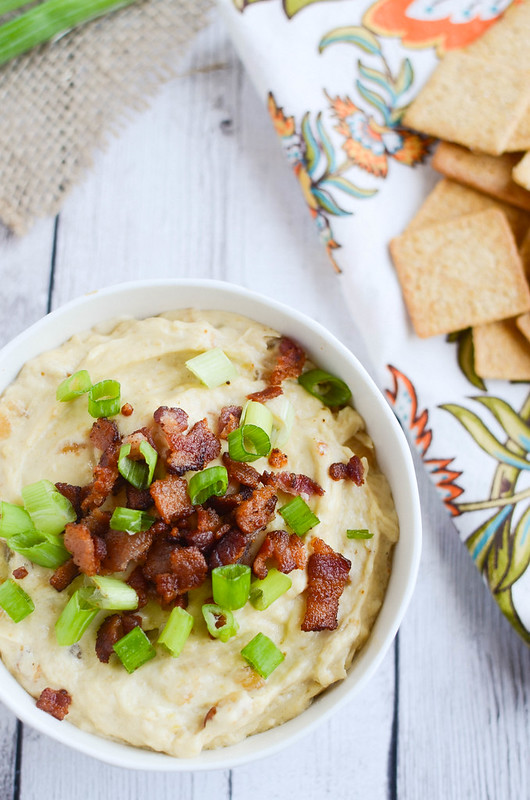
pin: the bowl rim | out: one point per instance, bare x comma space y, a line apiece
57, 327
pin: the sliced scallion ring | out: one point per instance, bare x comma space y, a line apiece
330, 390
176, 630
213, 368
130, 520
49, 510
75, 618
299, 516
266, 591
134, 649
262, 655
213, 614
77, 384
248, 443
138, 473
14, 600
212, 481
104, 399
231, 585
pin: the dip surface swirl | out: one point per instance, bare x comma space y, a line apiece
167, 703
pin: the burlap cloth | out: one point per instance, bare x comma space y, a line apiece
59, 102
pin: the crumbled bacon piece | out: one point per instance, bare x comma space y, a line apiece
75, 494
158, 556
19, 573
193, 450
207, 519
172, 422
256, 512
353, 470
87, 549
135, 439
241, 471
64, 575
171, 498
277, 459
138, 499
288, 552
140, 584
105, 476
122, 548
230, 548
229, 419
188, 571
104, 433
228, 502
327, 574
291, 483
127, 409
289, 363
111, 630
269, 393
55, 702
166, 587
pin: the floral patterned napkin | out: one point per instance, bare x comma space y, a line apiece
336, 76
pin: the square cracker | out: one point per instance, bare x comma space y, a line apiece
501, 351
460, 273
506, 42
489, 174
470, 101
521, 172
449, 200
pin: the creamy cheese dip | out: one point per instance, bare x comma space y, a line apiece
164, 703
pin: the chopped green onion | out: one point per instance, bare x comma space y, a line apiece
130, 520
11, 5
252, 439
46, 21
14, 520
15, 601
104, 399
134, 649
231, 585
213, 368
176, 630
46, 551
211, 481
299, 516
257, 414
262, 655
329, 389
75, 618
283, 420
361, 533
212, 614
49, 510
267, 590
138, 473
74, 386
110, 593
248, 444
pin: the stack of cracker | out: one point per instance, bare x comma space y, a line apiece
464, 260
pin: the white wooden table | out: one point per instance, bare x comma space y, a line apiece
184, 192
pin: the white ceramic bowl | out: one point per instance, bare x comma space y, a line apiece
143, 299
